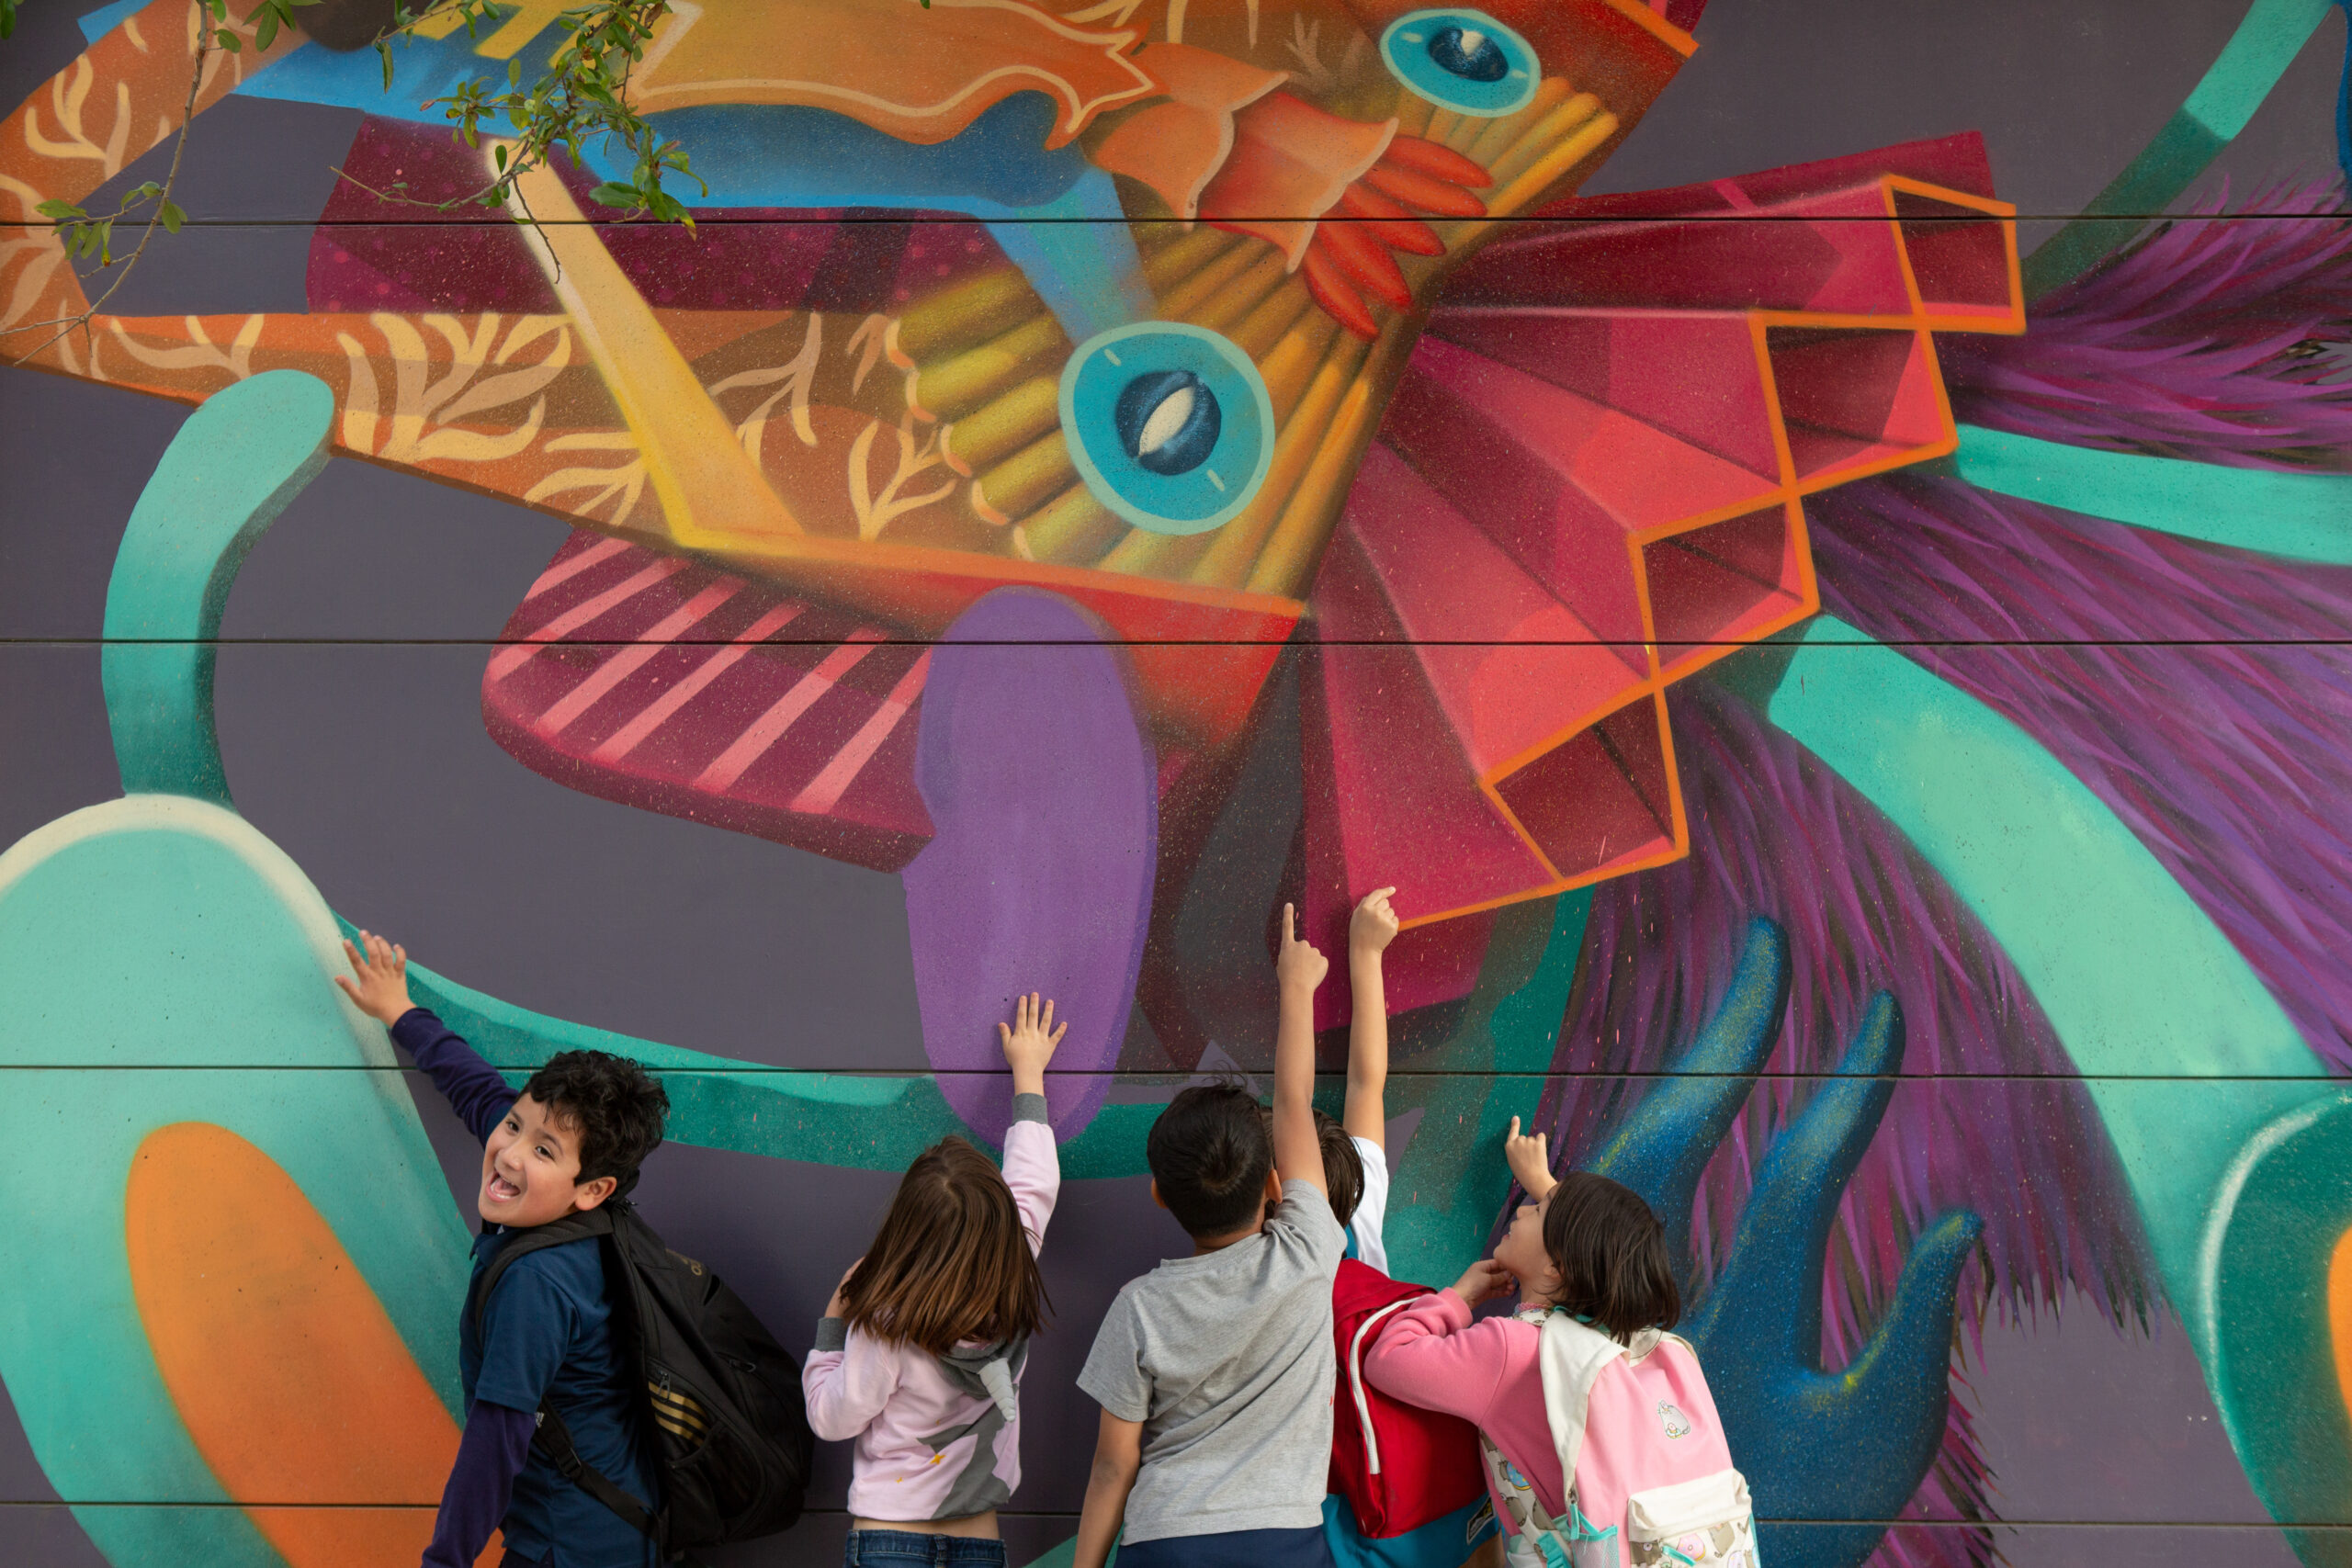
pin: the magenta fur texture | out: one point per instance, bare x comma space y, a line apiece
2217, 336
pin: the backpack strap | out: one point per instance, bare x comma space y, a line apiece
1554, 1541
552, 1438
1572, 1357
522, 1244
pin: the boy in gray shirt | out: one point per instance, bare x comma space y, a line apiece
1214, 1372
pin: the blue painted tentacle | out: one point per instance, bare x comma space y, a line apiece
1665, 1142
1784, 1231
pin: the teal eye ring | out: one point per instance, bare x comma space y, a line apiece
1168, 424
1461, 59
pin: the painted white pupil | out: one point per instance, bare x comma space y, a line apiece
1472, 39
1166, 422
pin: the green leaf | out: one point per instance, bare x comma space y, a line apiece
611, 194
171, 217
515, 71
266, 30
228, 40
60, 211
499, 154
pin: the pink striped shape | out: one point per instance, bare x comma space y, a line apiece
825, 791
513, 657
621, 666
623, 740
766, 731
565, 569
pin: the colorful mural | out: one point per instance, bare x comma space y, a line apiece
1855, 708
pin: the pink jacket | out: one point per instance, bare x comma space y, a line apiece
896, 1400
1491, 1374
1433, 1356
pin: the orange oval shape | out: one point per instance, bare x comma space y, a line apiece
288, 1372
2339, 1314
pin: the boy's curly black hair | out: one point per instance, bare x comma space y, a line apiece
617, 1106
1209, 1153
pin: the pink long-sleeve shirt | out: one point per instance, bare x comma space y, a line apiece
893, 1398
1432, 1355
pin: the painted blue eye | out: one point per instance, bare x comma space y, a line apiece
1168, 420
1461, 59
1168, 424
1470, 54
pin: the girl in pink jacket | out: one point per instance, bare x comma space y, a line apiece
1644, 1434
920, 1354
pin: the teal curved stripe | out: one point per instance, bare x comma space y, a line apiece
2184, 1049
2298, 516
854, 1120
234, 467
2265, 42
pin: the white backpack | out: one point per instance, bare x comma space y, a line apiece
1646, 1474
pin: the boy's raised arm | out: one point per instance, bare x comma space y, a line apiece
1370, 930
378, 986
1298, 969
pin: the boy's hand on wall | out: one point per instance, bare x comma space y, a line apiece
1374, 925
378, 984
1529, 1160
1298, 966
1029, 1042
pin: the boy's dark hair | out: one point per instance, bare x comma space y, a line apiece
1610, 1252
1210, 1152
617, 1106
951, 1262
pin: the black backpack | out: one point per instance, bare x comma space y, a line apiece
721, 1396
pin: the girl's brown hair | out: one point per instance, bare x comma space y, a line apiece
1610, 1252
952, 1262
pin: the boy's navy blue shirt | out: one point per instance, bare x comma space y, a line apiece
547, 1334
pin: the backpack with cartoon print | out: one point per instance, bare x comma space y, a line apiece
1648, 1475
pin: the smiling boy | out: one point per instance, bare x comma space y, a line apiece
565, 1144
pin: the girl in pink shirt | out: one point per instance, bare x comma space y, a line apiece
920, 1354
1588, 1246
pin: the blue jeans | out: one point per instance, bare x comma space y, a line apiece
912, 1548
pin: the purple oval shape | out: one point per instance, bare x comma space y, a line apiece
1043, 793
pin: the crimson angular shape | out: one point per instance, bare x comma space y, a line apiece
662, 682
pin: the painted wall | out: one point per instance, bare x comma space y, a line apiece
1844, 664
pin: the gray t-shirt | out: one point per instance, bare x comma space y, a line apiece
1225, 1359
